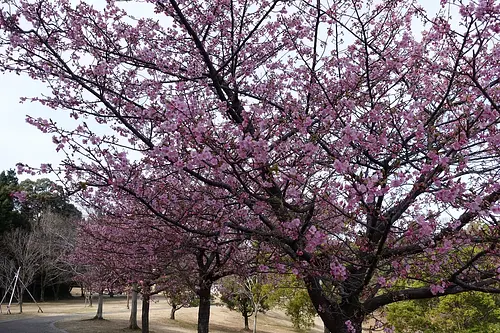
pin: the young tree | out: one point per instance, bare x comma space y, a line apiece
291, 295
359, 148
237, 299
247, 295
20, 249
179, 298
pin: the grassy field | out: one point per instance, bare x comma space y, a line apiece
116, 317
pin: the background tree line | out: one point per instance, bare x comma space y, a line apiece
37, 232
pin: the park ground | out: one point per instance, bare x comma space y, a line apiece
116, 316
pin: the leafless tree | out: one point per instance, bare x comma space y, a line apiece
21, 248
56, 236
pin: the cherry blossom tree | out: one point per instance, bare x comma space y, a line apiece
137, 248
113, 253
95, 279
333, 132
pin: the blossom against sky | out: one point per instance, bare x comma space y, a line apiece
23, 143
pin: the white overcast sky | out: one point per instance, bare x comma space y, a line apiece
23, 143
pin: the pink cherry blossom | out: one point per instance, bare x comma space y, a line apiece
333, 139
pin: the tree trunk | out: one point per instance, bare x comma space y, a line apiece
346, 317
342, 323
42, 287
33, 290
99, 305
255, 319
42, 293
245, 315
58, 289
132, 323
145, 313
21, 294
204, 308
53, 287
172, 312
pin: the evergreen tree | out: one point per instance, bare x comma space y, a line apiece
44, 195
10, 216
